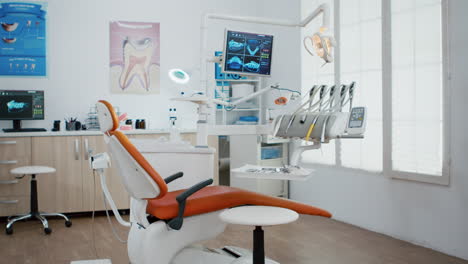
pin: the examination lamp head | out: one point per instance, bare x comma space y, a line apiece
322, 46
179, 76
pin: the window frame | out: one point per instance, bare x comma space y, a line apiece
388, 169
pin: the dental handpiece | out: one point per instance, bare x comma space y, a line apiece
291, 120
351, 95
322, 93
332, 99
311, 100
342, 96
311, 128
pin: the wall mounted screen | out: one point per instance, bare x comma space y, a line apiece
247, 53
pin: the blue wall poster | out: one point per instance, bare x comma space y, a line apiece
22, 39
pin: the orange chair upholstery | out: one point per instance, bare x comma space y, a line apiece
216, 198
206, 200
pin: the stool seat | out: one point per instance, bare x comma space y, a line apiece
258, 216
32, 170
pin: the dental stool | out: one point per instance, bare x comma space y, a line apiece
258, 216
33, 171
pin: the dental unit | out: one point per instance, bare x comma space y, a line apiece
164, 224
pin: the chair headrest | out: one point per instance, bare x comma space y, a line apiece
108, 120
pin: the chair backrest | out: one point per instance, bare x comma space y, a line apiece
138, 176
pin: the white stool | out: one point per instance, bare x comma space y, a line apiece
258, 216
33, 171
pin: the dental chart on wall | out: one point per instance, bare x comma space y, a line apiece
23, 39
134, 57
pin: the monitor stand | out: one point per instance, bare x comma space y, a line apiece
17, 128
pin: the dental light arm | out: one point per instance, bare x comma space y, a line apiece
323, 9
177, 222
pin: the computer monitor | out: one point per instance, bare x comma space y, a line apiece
247, 53
21, 105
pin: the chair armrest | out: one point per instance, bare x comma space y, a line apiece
177, 222
174, 177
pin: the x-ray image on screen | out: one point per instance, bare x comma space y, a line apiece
235, 62
17, 107
236, 45
248, 53
252, 64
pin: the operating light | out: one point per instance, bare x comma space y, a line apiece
322, 46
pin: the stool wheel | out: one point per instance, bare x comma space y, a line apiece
9, 231
68, 223
47, 231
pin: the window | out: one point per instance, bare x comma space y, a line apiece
418, 89
400, 77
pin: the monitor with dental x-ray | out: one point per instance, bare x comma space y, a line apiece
247, 53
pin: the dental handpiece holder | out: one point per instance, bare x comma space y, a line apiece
99, 163
316, 127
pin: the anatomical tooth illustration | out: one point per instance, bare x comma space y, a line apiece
9, 40
137, 59
33, 66
9, 27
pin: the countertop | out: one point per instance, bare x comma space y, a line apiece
89, 133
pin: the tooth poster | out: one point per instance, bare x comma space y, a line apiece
23, 39
134, 57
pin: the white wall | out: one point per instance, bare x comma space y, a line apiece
430, 215
78, 46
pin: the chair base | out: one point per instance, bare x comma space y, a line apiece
39, 216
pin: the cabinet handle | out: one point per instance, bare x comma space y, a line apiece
9, 202
12, 142
77, 149
86, 150
6, 162
9, 182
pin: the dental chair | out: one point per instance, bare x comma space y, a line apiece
165, 224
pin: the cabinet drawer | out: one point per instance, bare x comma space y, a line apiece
12, 149
12, 186
11, 205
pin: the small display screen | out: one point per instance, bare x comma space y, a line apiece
356, 119
248, 53
21, 105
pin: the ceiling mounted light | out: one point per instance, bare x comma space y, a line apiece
322, 46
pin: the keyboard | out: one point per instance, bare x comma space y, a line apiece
9, 130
